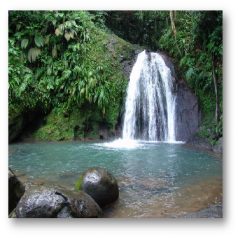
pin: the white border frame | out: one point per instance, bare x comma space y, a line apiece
228, 226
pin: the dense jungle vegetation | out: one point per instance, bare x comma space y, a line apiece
66, 65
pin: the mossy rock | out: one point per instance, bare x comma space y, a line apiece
79, 183
58, 127
99, 184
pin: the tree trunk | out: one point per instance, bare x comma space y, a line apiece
172, 15
215, 89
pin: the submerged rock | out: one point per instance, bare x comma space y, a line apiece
100, 185
15, 190
49, 202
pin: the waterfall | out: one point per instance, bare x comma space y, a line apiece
150, 102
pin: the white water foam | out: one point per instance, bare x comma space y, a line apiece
121, 144
132, 144
150, 105
150, 102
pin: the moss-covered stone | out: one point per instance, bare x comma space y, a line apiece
59, 126
99, 184
79, 183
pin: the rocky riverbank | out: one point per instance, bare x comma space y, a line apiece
203, 144
30, 200
203, 200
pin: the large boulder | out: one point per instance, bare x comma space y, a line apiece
100, 185
82, 205
40, 202
50, 202
15, 190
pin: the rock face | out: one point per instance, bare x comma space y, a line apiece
203, 143
127, 63
200, 143
187, 113
48, 202
15, 190
100, 185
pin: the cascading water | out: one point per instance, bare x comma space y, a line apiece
150, 102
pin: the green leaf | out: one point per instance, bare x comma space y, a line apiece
58, 32
39, 40
49, 71
67, 36
47, 39
24, 43
54, 52
82, 92
189, 73
54, 22
33, 53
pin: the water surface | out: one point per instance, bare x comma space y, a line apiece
155, 179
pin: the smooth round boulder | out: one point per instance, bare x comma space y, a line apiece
49, 202
100, 185
82, 205
40, 202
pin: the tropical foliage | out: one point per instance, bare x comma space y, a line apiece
50, 50
60, 59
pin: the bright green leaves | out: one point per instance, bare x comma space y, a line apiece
189, 74
69, 35
197, 46
58, 31
33, 53
24, 43
70, 29
54, 51
39, 41
66, 74
69, 66
91, 86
